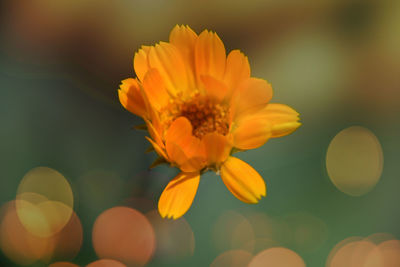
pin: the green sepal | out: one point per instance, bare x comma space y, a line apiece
149, 149
140, 127
235, 150
157, 162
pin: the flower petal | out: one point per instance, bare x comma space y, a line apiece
251, 93
184, 38
186, 164
155, 90
217, 148
157, 148
183, 148
179, 129
155, 134
215, 89
169, 63
179, 194
242, 180
209, 54
180, 133
251, 132
237, 69
140, 62
131, 97
283, 119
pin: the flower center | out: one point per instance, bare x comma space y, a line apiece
205, 116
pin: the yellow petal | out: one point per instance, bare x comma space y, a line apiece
140, 62
156, 121
283, 119
242, 180
131, 97
215, 89
209, 54
157, 148
184, 38
179, 194
155, 134
182, 161
251, 132
217, 148
179, 129
155, 90
251, 93
237, 69
193, 164
167, 60
183, 148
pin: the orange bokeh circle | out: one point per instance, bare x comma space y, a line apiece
106, 263
277, 257
124, 234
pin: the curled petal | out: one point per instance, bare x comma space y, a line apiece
131, 97
155, 134
242, 180
140, 62
209, 55
179, 194
156, 123
284, 119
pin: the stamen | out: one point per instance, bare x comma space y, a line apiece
205, 116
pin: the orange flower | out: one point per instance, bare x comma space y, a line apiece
200, 106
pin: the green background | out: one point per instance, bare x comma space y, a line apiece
336, 62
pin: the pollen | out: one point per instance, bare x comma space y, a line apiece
205, 115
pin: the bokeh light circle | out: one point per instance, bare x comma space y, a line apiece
63, 264
106, 263
341, 244
269, 231
68, 242
48, 183
24, 248
44, 201
354, 160
232, 231
390, 251
277, 257
175, 238
124, 234
308, 232
232, 258
378, 238
377, 250
18, 244
351, 254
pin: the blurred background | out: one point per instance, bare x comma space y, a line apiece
75, 188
